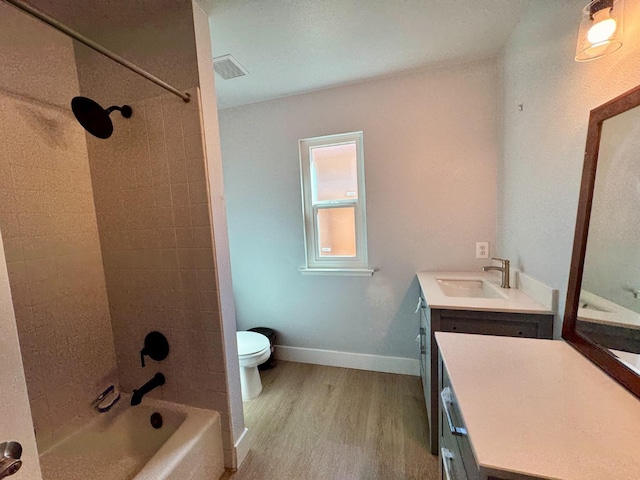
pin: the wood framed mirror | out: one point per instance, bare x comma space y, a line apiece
602, 316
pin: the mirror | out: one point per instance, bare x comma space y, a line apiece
602, 317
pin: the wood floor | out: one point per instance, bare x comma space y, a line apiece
314, 422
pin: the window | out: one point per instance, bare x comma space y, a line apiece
333, 202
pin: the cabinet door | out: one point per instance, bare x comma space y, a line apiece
425, 356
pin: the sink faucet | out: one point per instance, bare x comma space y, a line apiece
156, 381
504, 269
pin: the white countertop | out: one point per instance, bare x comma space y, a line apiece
603, 311
514, 300
538, 407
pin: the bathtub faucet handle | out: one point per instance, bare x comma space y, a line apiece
156, 346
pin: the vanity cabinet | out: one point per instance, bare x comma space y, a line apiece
530, 409
432, 320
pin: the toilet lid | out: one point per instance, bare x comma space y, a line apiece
251, 342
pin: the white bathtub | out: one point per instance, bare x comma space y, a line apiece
122, 445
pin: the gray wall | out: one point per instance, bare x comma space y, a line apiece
539, 173
431, 147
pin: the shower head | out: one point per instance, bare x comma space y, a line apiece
94, 118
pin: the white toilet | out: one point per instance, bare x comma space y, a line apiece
253, 349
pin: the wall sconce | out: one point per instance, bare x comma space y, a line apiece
600, 29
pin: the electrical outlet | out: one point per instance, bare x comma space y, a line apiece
482, 249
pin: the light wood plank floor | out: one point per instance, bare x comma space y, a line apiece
314, 422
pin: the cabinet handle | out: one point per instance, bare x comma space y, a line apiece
423, 338
447, 457
419, 305
445, 396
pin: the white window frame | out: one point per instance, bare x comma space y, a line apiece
315, 264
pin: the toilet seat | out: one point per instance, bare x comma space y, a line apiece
252, 344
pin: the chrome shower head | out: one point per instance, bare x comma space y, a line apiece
94, 118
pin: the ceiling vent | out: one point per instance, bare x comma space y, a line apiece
228, 67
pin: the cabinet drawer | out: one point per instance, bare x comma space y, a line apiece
497, 323
451, 419
451, 463
491, 327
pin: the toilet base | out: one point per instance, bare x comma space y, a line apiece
250, 383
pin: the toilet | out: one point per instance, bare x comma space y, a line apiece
253, 349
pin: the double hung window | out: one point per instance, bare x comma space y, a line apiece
333, 198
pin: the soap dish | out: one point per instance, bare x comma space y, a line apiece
107, 399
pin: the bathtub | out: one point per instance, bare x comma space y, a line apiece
122, 445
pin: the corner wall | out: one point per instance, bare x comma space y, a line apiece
540, 170
430, 147
234, 428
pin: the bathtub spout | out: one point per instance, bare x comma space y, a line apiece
156, 381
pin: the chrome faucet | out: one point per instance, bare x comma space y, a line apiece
504, 269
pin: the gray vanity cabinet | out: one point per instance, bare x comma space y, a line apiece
466, 321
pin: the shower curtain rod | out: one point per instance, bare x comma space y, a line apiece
25, 7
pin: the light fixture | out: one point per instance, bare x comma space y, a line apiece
600, 29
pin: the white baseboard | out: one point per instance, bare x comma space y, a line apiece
358, 361
243, 445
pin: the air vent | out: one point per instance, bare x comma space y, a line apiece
228, 67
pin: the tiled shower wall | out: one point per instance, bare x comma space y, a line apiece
48, 223
151, 199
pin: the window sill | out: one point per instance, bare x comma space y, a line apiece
350, 272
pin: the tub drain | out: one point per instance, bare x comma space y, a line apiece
156, 420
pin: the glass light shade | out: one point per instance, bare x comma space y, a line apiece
601, 29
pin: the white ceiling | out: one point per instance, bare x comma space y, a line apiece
296, 46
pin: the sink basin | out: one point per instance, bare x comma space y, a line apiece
468, 288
